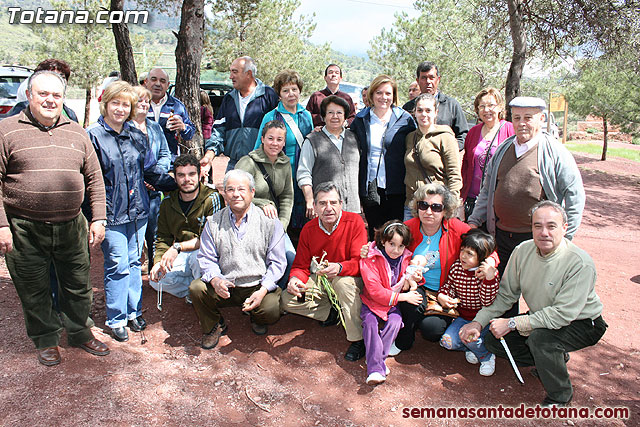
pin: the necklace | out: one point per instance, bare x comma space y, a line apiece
427, 236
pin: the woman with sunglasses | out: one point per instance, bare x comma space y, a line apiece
436, 235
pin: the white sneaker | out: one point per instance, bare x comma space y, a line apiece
471, 358
394, 351
386, 369
375, 379
488, 367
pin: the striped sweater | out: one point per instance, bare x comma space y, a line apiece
44, 173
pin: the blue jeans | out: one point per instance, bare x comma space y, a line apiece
122, 248
290, 252
185, 269
152, 224
451, 340
407, 213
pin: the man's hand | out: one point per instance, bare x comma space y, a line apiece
331, 270
149, 186
499, 327
295, 287
157, 272
221, 286
96, 234
168, 258
175, 123
6, 240
472, 225
270, 211
364, 250
486, 271
255, 299
470, 332
205, 165
309, 211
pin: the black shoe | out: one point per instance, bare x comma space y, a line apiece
258, 329
355, 351
332, 319
534, 371
138, 324
120, 334
548, 402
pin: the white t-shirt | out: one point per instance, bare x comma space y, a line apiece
244, 101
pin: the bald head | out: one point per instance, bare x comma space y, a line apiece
46, 96
157, 82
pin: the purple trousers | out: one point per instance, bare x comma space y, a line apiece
378, 341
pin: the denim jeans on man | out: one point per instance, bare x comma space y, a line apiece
122, 249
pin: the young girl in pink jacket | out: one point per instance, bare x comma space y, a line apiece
383, 272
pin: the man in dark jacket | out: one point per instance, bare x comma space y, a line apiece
182, 216
449, 111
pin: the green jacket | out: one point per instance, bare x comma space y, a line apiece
175, 226
280, 173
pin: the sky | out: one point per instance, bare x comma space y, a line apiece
349, 25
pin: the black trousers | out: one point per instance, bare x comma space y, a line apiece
506, 242
545, 348
391, 207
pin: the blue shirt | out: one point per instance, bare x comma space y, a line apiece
429, 248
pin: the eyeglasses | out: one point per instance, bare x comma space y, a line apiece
435, 207
489, 107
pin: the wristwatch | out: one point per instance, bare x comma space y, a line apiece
512, 324
177, 247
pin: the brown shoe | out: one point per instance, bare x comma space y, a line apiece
48, 356
211, 339
95, 347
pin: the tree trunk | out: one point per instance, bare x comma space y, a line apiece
188, 57
518, 59
123, 47
605, 129
87, 107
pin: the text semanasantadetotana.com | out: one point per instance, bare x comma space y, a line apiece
517, 412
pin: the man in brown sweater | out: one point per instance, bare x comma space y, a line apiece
46, 164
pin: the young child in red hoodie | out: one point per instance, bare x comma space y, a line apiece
383, 273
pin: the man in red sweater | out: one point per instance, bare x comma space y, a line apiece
340, 235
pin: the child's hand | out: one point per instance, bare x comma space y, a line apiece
412, 297
446, 301
486, 271
364, 251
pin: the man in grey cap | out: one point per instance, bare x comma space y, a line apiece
526, 168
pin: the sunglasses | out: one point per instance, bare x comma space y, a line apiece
435, 207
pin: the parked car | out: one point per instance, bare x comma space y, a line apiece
215, 90
10, 78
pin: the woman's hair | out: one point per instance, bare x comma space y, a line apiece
388, 230
334, 99
448, 199
482, 243
119, 89
498, 97
273, 124
426, 97
379, 81
142, 91
284, 78
205, 101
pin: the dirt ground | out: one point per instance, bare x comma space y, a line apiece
297, 375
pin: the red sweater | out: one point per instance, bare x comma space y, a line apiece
378, 293
343, 246
449, 247
472, 292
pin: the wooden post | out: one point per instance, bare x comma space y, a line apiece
564, 124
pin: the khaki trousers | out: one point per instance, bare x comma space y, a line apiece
348, 291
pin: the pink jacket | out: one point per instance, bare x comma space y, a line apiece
378, 294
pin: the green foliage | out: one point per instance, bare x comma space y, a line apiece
608, 87
452, 34
88, 48
264, 30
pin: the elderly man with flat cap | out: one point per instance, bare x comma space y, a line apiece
526, 168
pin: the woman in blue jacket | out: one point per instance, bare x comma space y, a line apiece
381, 130
126, 161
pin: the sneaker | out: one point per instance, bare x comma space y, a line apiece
187, 299
471, 358
386, 369
393, 350
375, 379
488, 367
548, 402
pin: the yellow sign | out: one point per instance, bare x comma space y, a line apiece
556, 102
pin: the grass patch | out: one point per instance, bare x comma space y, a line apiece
625, 153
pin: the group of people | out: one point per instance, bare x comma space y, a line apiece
286, 234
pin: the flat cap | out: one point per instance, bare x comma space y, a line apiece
528, 102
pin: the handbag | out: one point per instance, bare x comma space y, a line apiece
434, 308
372, 198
